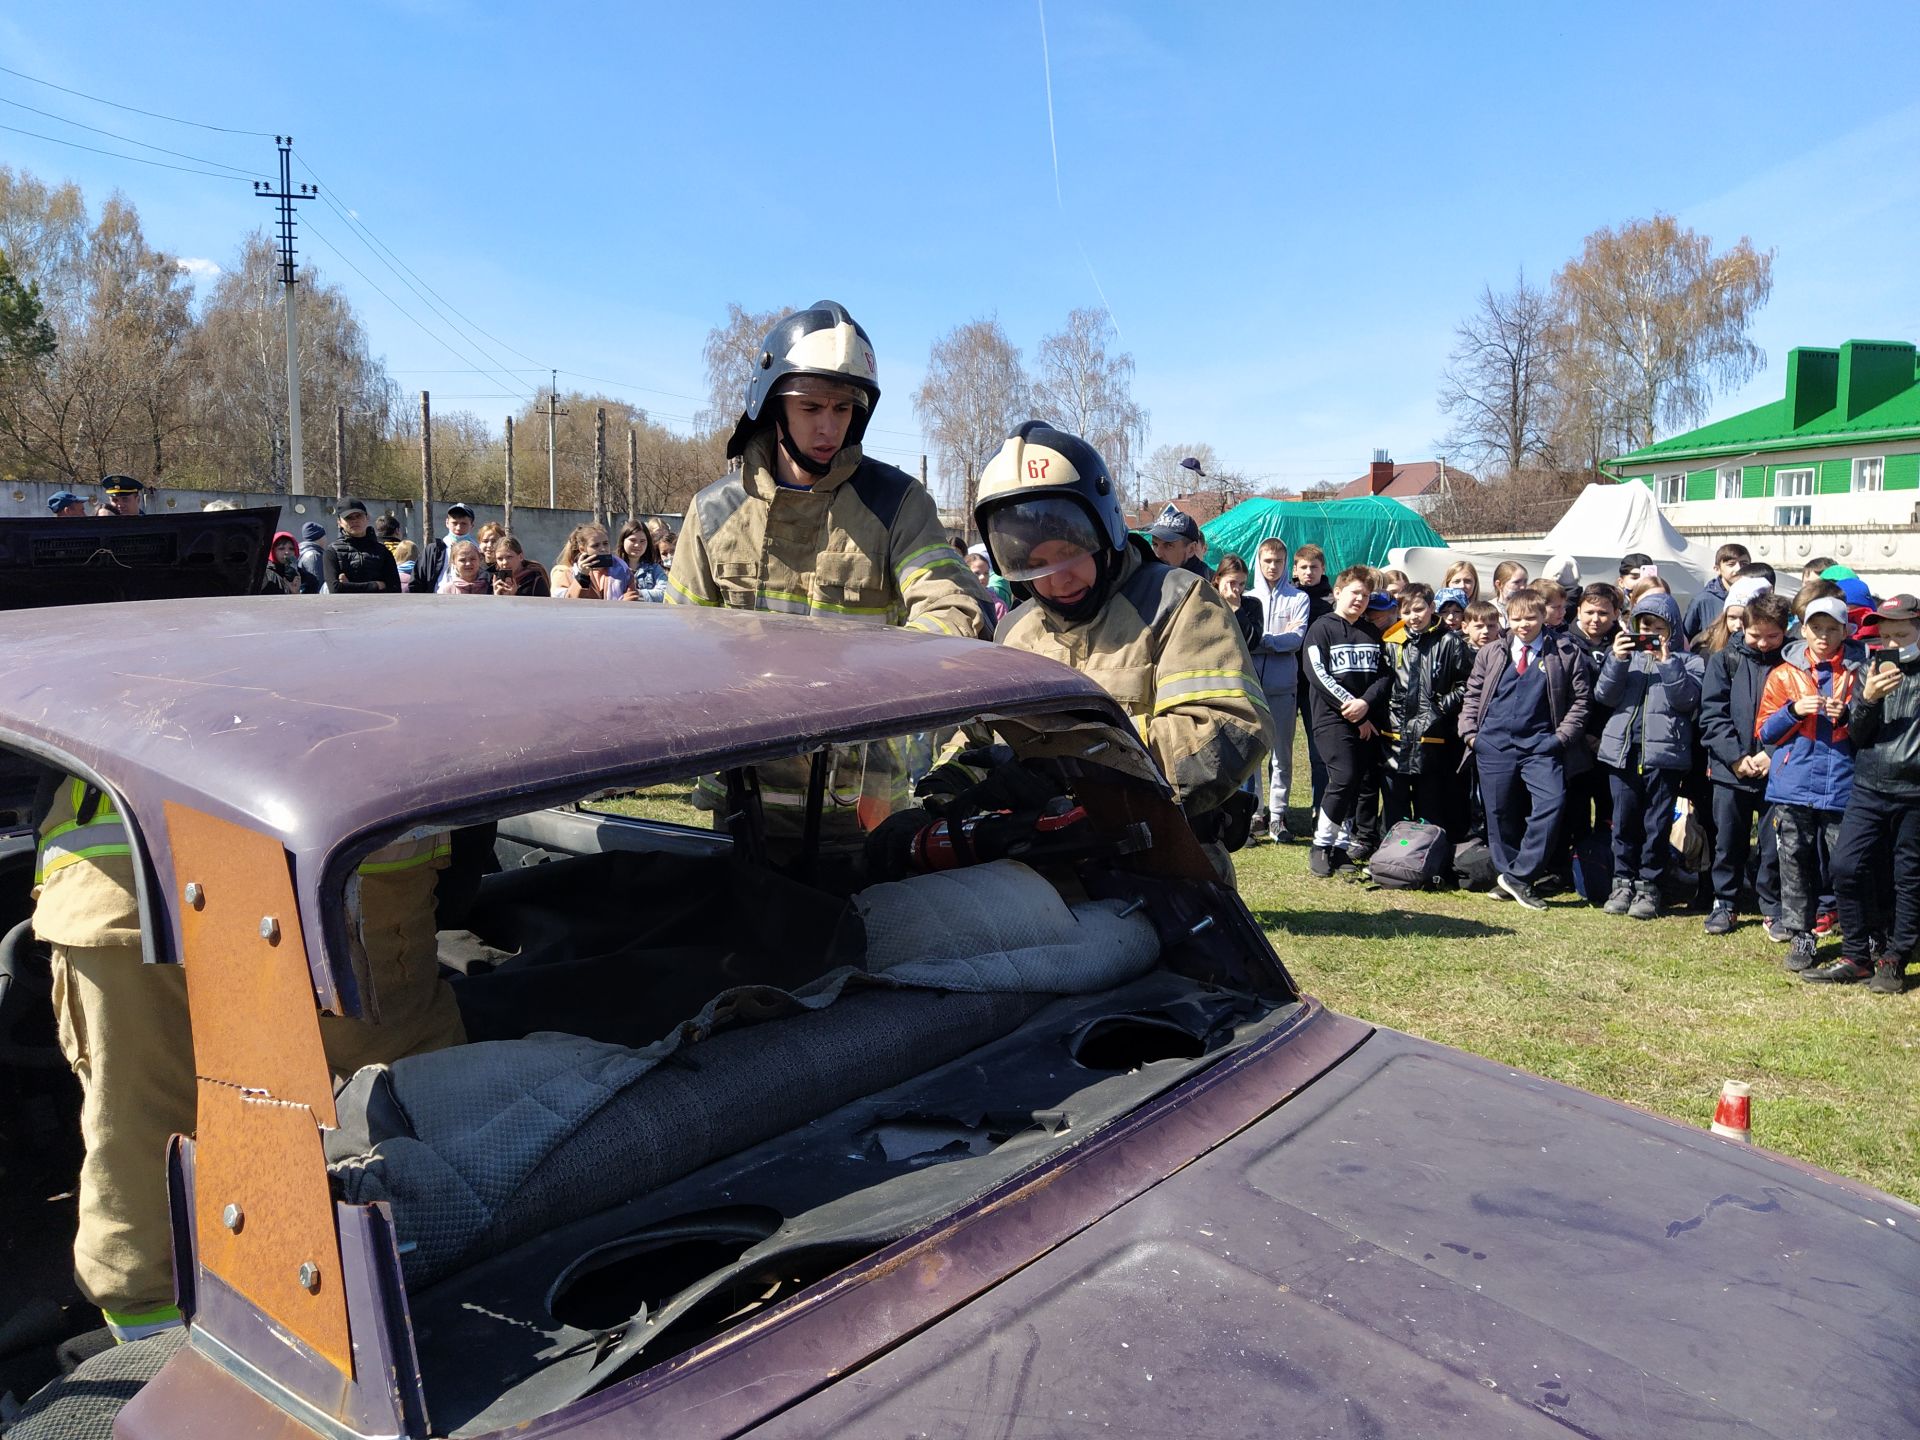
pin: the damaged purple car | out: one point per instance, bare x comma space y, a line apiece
920, 1079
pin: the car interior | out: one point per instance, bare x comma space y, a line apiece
730, 1035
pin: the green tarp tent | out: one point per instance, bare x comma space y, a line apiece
1352, 532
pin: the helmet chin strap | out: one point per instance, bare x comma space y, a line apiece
799, 457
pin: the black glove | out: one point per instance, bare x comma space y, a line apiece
1010, 783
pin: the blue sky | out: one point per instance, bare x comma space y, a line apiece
1288, 207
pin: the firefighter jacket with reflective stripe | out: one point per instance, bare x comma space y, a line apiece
84, 891
1168, 649
864, 543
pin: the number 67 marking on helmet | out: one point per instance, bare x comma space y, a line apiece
1037, 468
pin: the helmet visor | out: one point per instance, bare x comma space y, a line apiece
1041, 536
820, 387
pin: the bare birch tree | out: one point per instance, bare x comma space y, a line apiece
729, 354
1085, 387
1499, 384
1651, 323
974, 394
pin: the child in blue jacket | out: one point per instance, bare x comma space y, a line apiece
1647, 745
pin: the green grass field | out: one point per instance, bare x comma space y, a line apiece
1654, 1013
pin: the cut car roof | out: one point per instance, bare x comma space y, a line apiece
319, 719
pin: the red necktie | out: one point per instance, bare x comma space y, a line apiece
1520, 665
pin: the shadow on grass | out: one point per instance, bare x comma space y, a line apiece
1380, 925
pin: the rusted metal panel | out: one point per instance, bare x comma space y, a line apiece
263, 1216
248, 985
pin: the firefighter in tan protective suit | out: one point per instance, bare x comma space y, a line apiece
811, 526
1160, 640
124, 1028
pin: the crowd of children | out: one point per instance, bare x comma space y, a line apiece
1575, 731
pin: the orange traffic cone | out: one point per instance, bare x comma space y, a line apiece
1732, 1117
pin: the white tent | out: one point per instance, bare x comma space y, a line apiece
1604, 523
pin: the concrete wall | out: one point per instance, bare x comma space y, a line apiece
541, 531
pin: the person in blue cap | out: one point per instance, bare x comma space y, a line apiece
66, 505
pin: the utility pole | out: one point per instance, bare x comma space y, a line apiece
552, 409
600, 465
285, 196
426, 475
633, 472
339, 452
508, 506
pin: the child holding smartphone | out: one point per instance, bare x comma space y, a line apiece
1652, 688
1804, 713
1883, 812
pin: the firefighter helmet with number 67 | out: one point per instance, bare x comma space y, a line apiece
1047, 485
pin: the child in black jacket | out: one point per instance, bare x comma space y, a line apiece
1430, 666
1347, 679
1737, 763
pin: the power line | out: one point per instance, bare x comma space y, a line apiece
375, 241
125, 139
137, 159
496, 373
134, 109
425, 329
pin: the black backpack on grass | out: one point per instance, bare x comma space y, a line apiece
1473, 867
1413, 856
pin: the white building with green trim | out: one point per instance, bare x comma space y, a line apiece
1841, 450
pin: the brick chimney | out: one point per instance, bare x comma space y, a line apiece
1380, 475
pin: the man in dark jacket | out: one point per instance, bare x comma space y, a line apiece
358, 564
1430, 666
1883, 812
313, 558
1737, 763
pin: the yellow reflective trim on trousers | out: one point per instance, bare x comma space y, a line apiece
442, 851
63, 857
686, 596
128, 1328
94, 839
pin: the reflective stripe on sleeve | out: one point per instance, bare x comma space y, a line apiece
678, 594
1185, 686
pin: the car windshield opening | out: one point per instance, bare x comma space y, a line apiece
838, 993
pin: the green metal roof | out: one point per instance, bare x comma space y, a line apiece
1826, 419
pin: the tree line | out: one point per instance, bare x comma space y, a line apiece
1631, 338
109, 361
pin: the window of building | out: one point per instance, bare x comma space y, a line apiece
1793, 515
1729, 482
1788, 483
1671, 489
1867, 473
